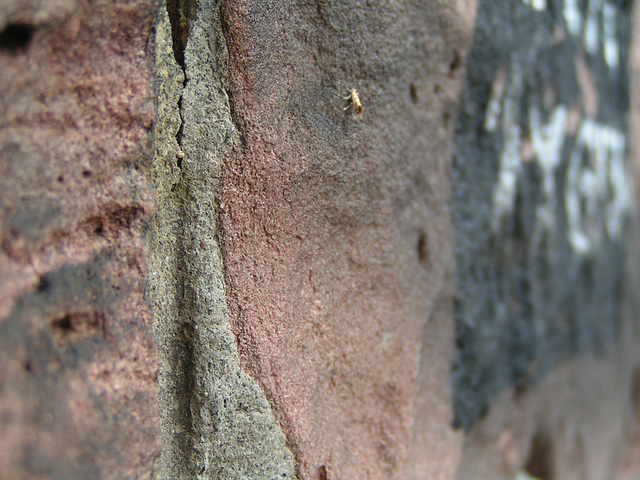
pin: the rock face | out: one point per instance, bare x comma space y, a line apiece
331, 218
78, 366
227, 250
217, 422
540, 198
336, 238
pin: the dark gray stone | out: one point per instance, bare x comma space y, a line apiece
539, 193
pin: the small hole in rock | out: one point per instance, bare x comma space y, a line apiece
456, 61
413, 92
540, 461
322, 473
422, 249
86, 173
29, 366
15, 36
62, 324
43, 284
519, 389
75, 326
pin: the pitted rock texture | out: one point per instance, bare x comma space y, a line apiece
336, 236
78, 394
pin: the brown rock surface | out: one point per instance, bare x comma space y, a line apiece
336, 240
77, 361
336, 235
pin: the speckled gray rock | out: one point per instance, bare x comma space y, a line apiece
217, 422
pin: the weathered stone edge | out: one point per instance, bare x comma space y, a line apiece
216, 421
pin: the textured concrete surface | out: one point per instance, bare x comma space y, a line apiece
78, 366
336, 235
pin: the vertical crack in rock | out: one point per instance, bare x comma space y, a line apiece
173, 328
180, 13
216, 421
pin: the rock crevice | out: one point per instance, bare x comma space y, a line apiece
217, 422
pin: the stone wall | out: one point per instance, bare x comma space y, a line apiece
317, 240
78, 364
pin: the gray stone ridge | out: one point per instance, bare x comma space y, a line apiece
216, 421
540, 200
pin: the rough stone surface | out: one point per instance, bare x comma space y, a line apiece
78, 367
540, 199
343, 242
336, 236
217, 422
580, 420
300, 253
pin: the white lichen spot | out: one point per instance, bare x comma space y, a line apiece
495, 100
619, 206
510, 161
510, 164
493, 114
572, 17
609, 41
613, 146
591, 34
537, 5
599, 24
547, 140
596, 189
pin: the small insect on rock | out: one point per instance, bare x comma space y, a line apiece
354, 100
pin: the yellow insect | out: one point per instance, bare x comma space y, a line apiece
355, 101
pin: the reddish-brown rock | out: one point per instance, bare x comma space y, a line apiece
78, 393
336, 231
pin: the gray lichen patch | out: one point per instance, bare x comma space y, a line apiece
216, 421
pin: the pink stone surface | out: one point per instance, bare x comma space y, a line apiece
336, 235
78, 396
